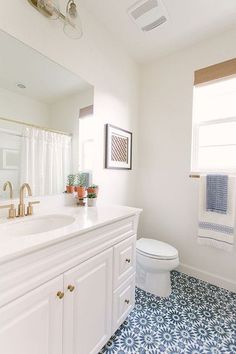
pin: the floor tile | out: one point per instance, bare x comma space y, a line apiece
197, 318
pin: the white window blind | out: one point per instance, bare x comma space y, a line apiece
214, 124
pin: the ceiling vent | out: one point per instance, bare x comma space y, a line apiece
148, 14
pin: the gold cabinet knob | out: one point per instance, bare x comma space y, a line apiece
60, 294
127, 302
128, 260
71, 288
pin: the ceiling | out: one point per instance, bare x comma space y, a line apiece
45, 80
190, 21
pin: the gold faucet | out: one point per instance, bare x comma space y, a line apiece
11, 211
8, 184
21, 206
11, 207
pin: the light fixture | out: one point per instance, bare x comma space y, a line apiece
20, 85
72, 25
50, 9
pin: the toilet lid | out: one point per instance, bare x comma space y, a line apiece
156, 249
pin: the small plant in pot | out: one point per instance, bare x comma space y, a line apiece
81, 185
92, 199
70, 183
93, 189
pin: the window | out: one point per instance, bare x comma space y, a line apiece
86, 139
214, 120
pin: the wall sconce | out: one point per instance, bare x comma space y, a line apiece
50, 9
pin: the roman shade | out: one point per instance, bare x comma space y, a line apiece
86, 111
214, 72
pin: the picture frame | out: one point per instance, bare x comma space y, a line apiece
9, 159
118, 148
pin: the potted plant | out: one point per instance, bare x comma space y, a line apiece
81, 185
93, 189
92, 199
70, 183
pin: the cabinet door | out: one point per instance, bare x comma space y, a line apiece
123, 302
124, 260
32, 324
88, 308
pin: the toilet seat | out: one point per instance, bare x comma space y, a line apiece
156, 249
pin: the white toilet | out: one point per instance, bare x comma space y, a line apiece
155, 260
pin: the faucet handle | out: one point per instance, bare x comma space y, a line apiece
30, 209
11, 212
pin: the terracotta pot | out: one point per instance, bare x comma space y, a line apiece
70, 189
81, 191
92, 190
92, 202
75, 188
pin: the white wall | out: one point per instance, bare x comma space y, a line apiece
100, 60
19, 107
64, 117
165, 191
65, 112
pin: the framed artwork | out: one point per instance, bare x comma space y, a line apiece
10, 159
118, 148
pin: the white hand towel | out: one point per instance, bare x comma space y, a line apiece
216, 229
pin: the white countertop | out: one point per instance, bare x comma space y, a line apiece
86, 219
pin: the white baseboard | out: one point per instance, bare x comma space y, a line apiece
225, 283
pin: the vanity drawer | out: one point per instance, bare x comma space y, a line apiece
123, 302
124, 260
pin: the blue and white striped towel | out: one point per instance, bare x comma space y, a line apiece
217, 193
216, 229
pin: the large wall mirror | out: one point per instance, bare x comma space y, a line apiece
46, 121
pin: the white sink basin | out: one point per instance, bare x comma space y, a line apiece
35, 225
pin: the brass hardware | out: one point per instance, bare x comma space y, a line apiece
21, 206
5, 206
11, 212
47, 13
60, 294
71, 288
30, 209
44, 10
127, 301
8, 184
194, 176
128, 260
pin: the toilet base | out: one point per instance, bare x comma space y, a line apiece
158, 284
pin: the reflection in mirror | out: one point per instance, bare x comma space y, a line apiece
46, 121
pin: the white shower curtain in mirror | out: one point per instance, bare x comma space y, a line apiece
46, 160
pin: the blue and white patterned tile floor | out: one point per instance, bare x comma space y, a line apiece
197, 318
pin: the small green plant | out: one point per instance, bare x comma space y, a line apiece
94, 186
81, 179
92, 195
71, 180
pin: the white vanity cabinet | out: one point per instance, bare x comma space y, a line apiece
88, 308
32, 324
70, 297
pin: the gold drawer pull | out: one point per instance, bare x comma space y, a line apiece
128, 260
60, 294
71, 288
127, 302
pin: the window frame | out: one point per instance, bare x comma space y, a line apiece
195, 144
202, 76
